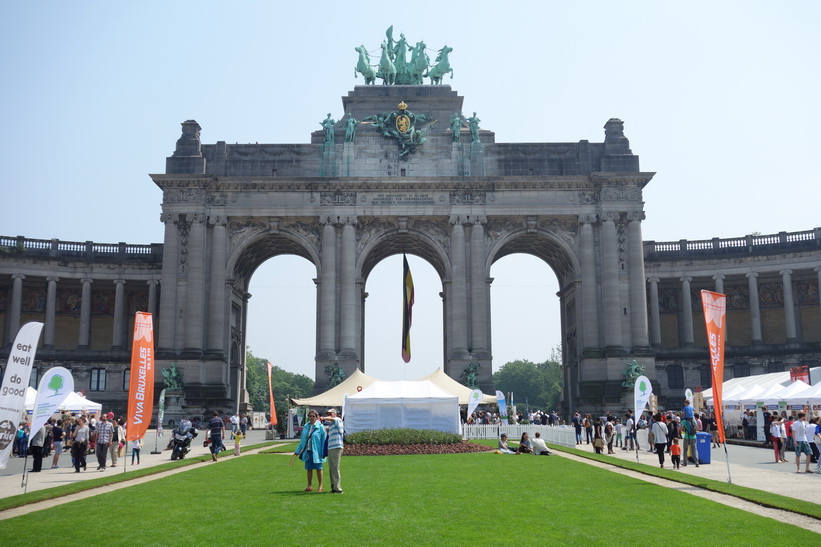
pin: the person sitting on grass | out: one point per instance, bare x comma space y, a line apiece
503, 448
539, 446
524, 445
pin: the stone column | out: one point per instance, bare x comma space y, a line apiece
347, 304
85, 313
755, 310
478, 289
327, 291
687, 311
217, 305
51, 312
655, 317
194, 320
119, 306
817, 270
610, 283
590, 301
719, 279
789, 306
16, 305
152, 299
166, 326
458, 309
638, 292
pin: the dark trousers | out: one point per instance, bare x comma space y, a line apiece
37, 454
676, 461
660, 452
102, 452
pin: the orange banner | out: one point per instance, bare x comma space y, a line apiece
715, 319
141, 388
271, 395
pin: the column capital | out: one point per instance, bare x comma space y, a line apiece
217, 220
592, 218
165, 218
52, 278
152, 282
18, 276
457, 220
685, 279
479, 221
634, 216
817, 269
119, 281
86, 280
196, 218
613, 216
653, 280
722, 277
785, 272
751, 275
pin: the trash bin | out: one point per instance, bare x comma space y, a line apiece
703, 444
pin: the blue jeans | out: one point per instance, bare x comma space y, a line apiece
216, 444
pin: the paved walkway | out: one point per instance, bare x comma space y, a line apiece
750, 466
12, 476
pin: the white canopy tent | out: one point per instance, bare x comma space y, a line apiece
786, 393
407, 404
453, 387
354, 383
73, 403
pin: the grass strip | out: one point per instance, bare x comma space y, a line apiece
760, 497
104, 480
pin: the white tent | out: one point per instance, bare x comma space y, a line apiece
413, 405
784, 394
354, 383
73, 403
453, 387
809, 396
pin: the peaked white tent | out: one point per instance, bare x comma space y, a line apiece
450, 385
402, 404
73, 403
354, 383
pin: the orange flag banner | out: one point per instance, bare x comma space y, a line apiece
271, 396
715, 319
407, 309
141, 388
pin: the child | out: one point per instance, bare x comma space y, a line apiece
238, 436
135, 450
675, 451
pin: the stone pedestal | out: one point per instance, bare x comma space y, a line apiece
174, 402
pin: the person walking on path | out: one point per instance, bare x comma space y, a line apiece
799, 434
336, 433
238, 442
688, 437
105, 433
57, 434
311, 446
217, 430
136, 447
675, 453
37, 441
79, 445
660, 432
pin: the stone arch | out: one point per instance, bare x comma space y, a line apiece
558, 254
393, 242
257, 248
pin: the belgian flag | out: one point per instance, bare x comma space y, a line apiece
407, 308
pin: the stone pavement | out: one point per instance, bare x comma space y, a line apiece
11, 477
750, 466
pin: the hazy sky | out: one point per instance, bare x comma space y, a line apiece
721, 99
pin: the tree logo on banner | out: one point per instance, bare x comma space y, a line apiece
57, 382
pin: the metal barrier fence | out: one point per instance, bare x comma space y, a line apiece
562, 436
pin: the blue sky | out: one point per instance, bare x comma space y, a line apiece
719, 98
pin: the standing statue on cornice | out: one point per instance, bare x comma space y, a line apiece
350, 128
473, 123
455, 127
328, 125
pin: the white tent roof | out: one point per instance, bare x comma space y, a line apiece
403, 389
450, 385
73, 403
355, 383
809, 396
792, 390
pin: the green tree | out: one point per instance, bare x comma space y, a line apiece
56, 383
538, 384
284, 384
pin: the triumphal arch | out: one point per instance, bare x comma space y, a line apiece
402, 170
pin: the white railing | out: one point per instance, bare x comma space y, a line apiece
562, 436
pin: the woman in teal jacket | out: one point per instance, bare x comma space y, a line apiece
311, 448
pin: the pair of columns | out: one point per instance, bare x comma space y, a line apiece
608, 328
755, 309
184, 276
467, 295
117, 341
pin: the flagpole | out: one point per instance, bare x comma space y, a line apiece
727, 459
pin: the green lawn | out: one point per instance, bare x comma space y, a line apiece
485, 499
